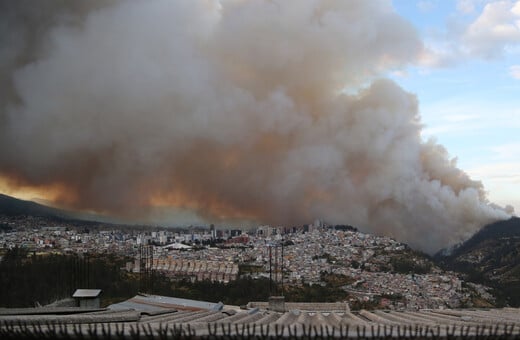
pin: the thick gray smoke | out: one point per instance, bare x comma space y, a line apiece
268, 111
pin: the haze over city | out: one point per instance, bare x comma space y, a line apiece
398, 117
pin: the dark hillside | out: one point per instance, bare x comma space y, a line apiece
11, 206
498, 230
491, 256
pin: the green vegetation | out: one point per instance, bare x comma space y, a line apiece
330, 259
26, 278
238, 292
336, 280
314, 293
411, 265
474, 299
249, 269
490, 257
5, 227
368, 305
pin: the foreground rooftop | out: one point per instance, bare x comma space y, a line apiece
149, 319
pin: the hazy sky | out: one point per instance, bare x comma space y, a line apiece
469, 88
266, 111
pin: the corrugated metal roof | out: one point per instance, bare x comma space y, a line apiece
78, 318
350, 323
306, 306
235, 322
157, 303
48, 310
86, 293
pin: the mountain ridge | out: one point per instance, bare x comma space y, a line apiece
12, 206
491, 256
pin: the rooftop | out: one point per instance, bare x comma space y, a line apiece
155, 316
86, 293
156, 303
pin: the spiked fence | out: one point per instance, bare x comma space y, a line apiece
49, 330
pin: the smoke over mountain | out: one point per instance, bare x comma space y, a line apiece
269, 111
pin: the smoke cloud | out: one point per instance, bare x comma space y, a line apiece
266, 111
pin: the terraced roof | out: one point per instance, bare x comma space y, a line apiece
259, 322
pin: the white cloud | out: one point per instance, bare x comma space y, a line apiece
497, 27
516, 8
508, 151
497, 172
501, 180
514, 71
436, 55
426, 5
458, 117
493, 32
466, 6
399, 73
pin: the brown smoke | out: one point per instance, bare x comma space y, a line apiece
267, 111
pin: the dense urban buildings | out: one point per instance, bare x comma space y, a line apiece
375, 271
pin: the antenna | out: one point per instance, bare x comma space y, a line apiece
276, 268
282, 261
270, 271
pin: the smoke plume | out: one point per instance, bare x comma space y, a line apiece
268, 111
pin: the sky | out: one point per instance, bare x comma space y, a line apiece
468, 89
398, 117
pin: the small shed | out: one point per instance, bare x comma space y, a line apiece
87, 298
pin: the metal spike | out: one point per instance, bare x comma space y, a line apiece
134, 332
330, 334
315, 334
267, 330
496, 332
253, 332
212, 331
120, 333
388, 334
364, 331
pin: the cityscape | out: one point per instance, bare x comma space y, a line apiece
206, 169
369, 265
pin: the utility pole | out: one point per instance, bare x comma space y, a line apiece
282, 263
270, 271
276, 268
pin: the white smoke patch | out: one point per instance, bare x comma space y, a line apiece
239, 110
514, 71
